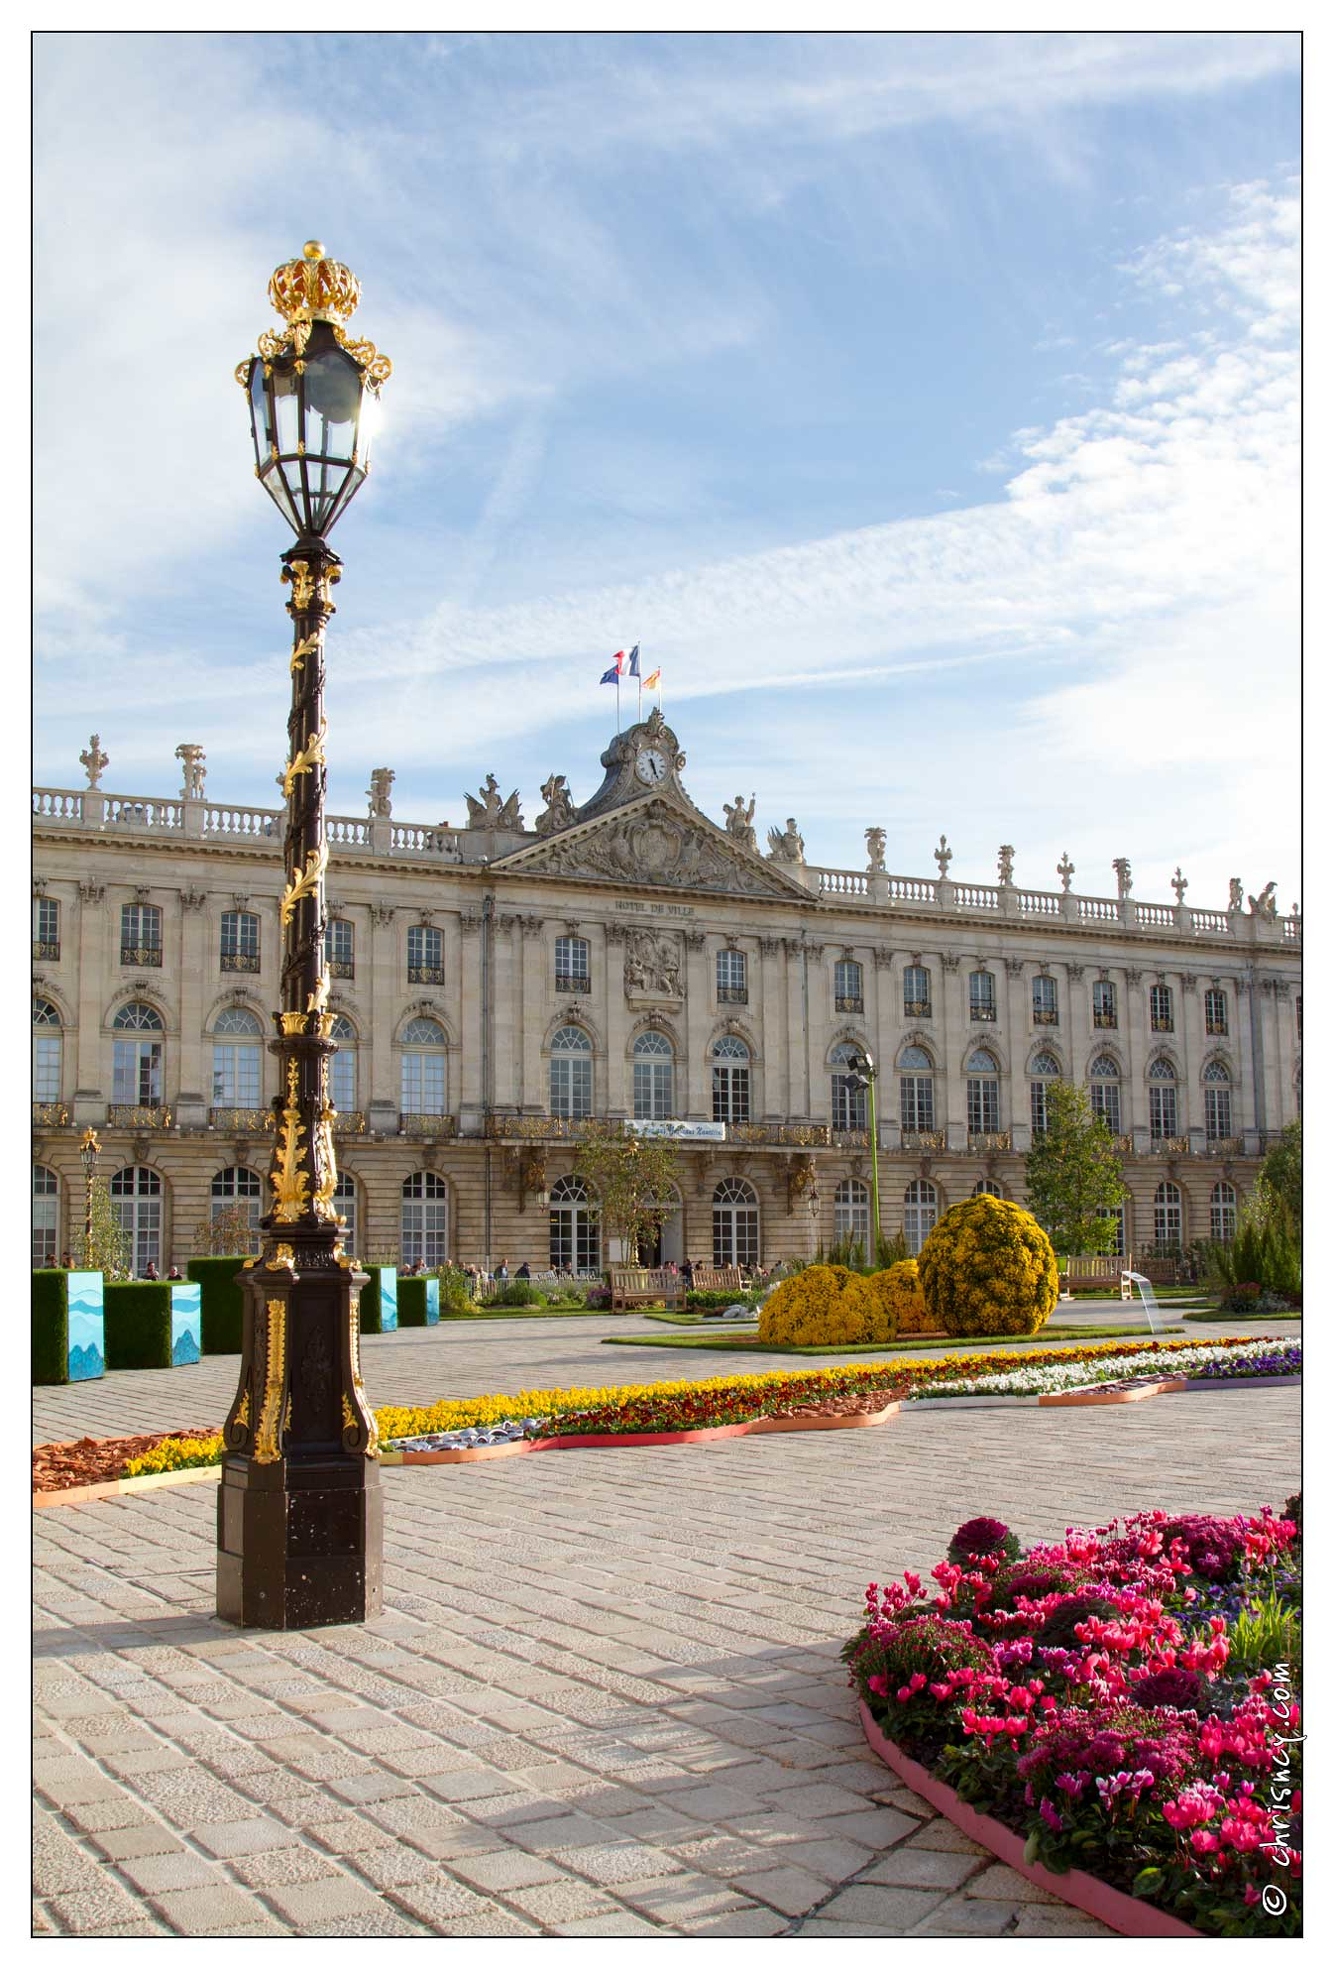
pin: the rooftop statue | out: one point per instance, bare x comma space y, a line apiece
559, 810
490, 811
739, 820
787, 846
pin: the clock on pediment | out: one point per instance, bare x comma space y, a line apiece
646, 758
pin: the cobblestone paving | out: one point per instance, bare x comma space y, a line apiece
604, 1699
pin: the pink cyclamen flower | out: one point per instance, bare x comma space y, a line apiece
1051, 1815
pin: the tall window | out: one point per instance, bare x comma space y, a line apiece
422, 1068
238, 1189
1215, 1013
1222, 1213
1162, 1101
141, 934
917, 992
575, 1242
985, 1187
1105, 1091
653, 1062
1042, 1072
1117, 1213
238, 1058
1217, 1101
343, 1066
45, 1217
848, 985
46, 1050
1104, 1006
1167, 1214
982, 997
921, 1207
983, 1094
340, 947
136, 1068
917, 1107
847, 1102
1160, 1008
424, 1221
1044, 1002
571, 964
425, 959
731, 975
731, 1079
852, 1214
736, 1224
136, 1198
345, 1203
239, 949
45, 928
572, 1073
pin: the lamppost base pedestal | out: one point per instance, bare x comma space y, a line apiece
299, 1543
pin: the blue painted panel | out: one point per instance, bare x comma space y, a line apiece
87, 1342
433, 1302
389, 1300
185, 1323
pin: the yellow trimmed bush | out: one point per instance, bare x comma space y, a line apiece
824, 1306
988, 1267
899, 1291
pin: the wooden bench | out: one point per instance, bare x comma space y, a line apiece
642, 1285
718, 1278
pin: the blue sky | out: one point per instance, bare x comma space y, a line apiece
925, 405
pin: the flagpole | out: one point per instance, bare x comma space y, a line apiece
618, 703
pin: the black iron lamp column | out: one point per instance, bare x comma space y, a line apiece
89, 1150
863, 1072
299, 1519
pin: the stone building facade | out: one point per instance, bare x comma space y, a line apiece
500, 985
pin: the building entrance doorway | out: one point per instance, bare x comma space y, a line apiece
668, 1246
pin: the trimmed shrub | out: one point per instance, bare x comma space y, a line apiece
138, 1323
899, 1292
411, 1302
826, 1305
221, 1303
50, 1329
988, 1267
518, 1292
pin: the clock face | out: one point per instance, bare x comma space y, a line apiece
651, 767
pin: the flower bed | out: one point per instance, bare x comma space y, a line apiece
1122, 1700
1219, 1360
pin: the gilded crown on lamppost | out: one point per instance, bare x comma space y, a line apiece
317, 288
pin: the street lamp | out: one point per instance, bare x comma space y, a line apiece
89, 1150
813, 1202
299, 1509
861, 1072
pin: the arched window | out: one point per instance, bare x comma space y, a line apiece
1162, 1101
1105, 1091
916, 992
987, 1188
917, 1096
1217, 1101
982, 997
921, 1207
239, 1191
572, 1073
422, 1068
136, 1198
983, 1093
345, 1203
731, 1079
45, 1217
852, 1215
847, 1102
848, 985
1117, 1213
1222, 1213
238, 1056
736, 1224
573, 1217
1167, 1220
1044, 1068
424, 1223
136, 1068
46, 1050
653, 1062
343, 1066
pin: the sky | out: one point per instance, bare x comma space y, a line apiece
925, 405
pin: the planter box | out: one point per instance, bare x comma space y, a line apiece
220, 1303
379, 1300
764, 1425
186, 1323
1107, 1394
68, 1328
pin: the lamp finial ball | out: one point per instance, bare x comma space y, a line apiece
313, 250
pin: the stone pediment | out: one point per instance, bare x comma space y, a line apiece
657, 842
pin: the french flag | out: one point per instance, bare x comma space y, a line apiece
613, 676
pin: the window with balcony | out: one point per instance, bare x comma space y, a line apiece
422, 1068
921, 1207
917, 1098
847, 1101
1217, 1101
424, 1221
239, 947
1104, 1006
983, 1094
731, 977
1044, 1069
141, 935
731, 1079
45, 929
343, 1066
425, 955
1160, 1008
238, 1059
1222, 1213
1168, 1217
136, 1062
654, 1061
47, 1048
1215, 1013
852, 1215
340, 947
1044, 1002
571, 964
1105, 1091
917, 992
1162, 1101
571, 1071
982, 997
136, 1198
848, 987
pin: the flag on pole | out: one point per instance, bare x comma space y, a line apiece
633, 669
652, 681
612, 676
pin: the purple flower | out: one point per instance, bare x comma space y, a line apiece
1170, 1688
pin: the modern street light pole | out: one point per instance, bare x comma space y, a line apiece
862, 1073
89, 1150
299, 1508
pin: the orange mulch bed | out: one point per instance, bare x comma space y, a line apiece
845, 1404
95, 1459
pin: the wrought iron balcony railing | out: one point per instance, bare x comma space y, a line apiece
242, 1121
571, 984
1046, 1015
922, 1138
1104, 1021
50, 1114
433, 1127
46, 953
1169, 1145
239, 960
987, 1143
982, 1014
849, 1004
734, 995
342, 967
780, 1134
353, 1122
122, 1115
142, 956
1161, 1022
917, 1008
850, 1138
426, 974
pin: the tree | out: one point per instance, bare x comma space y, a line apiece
108, 1249
1282, 1171
228, 1234
1073, 1173
634, 1177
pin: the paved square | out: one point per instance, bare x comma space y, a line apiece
604, 1698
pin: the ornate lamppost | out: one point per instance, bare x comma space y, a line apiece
89, 1150
813, 1202
299, 1510
862, 1072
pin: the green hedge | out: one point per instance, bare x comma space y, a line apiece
411, 1301
220, 1301
709, 1302
50, 1329
138, 1324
